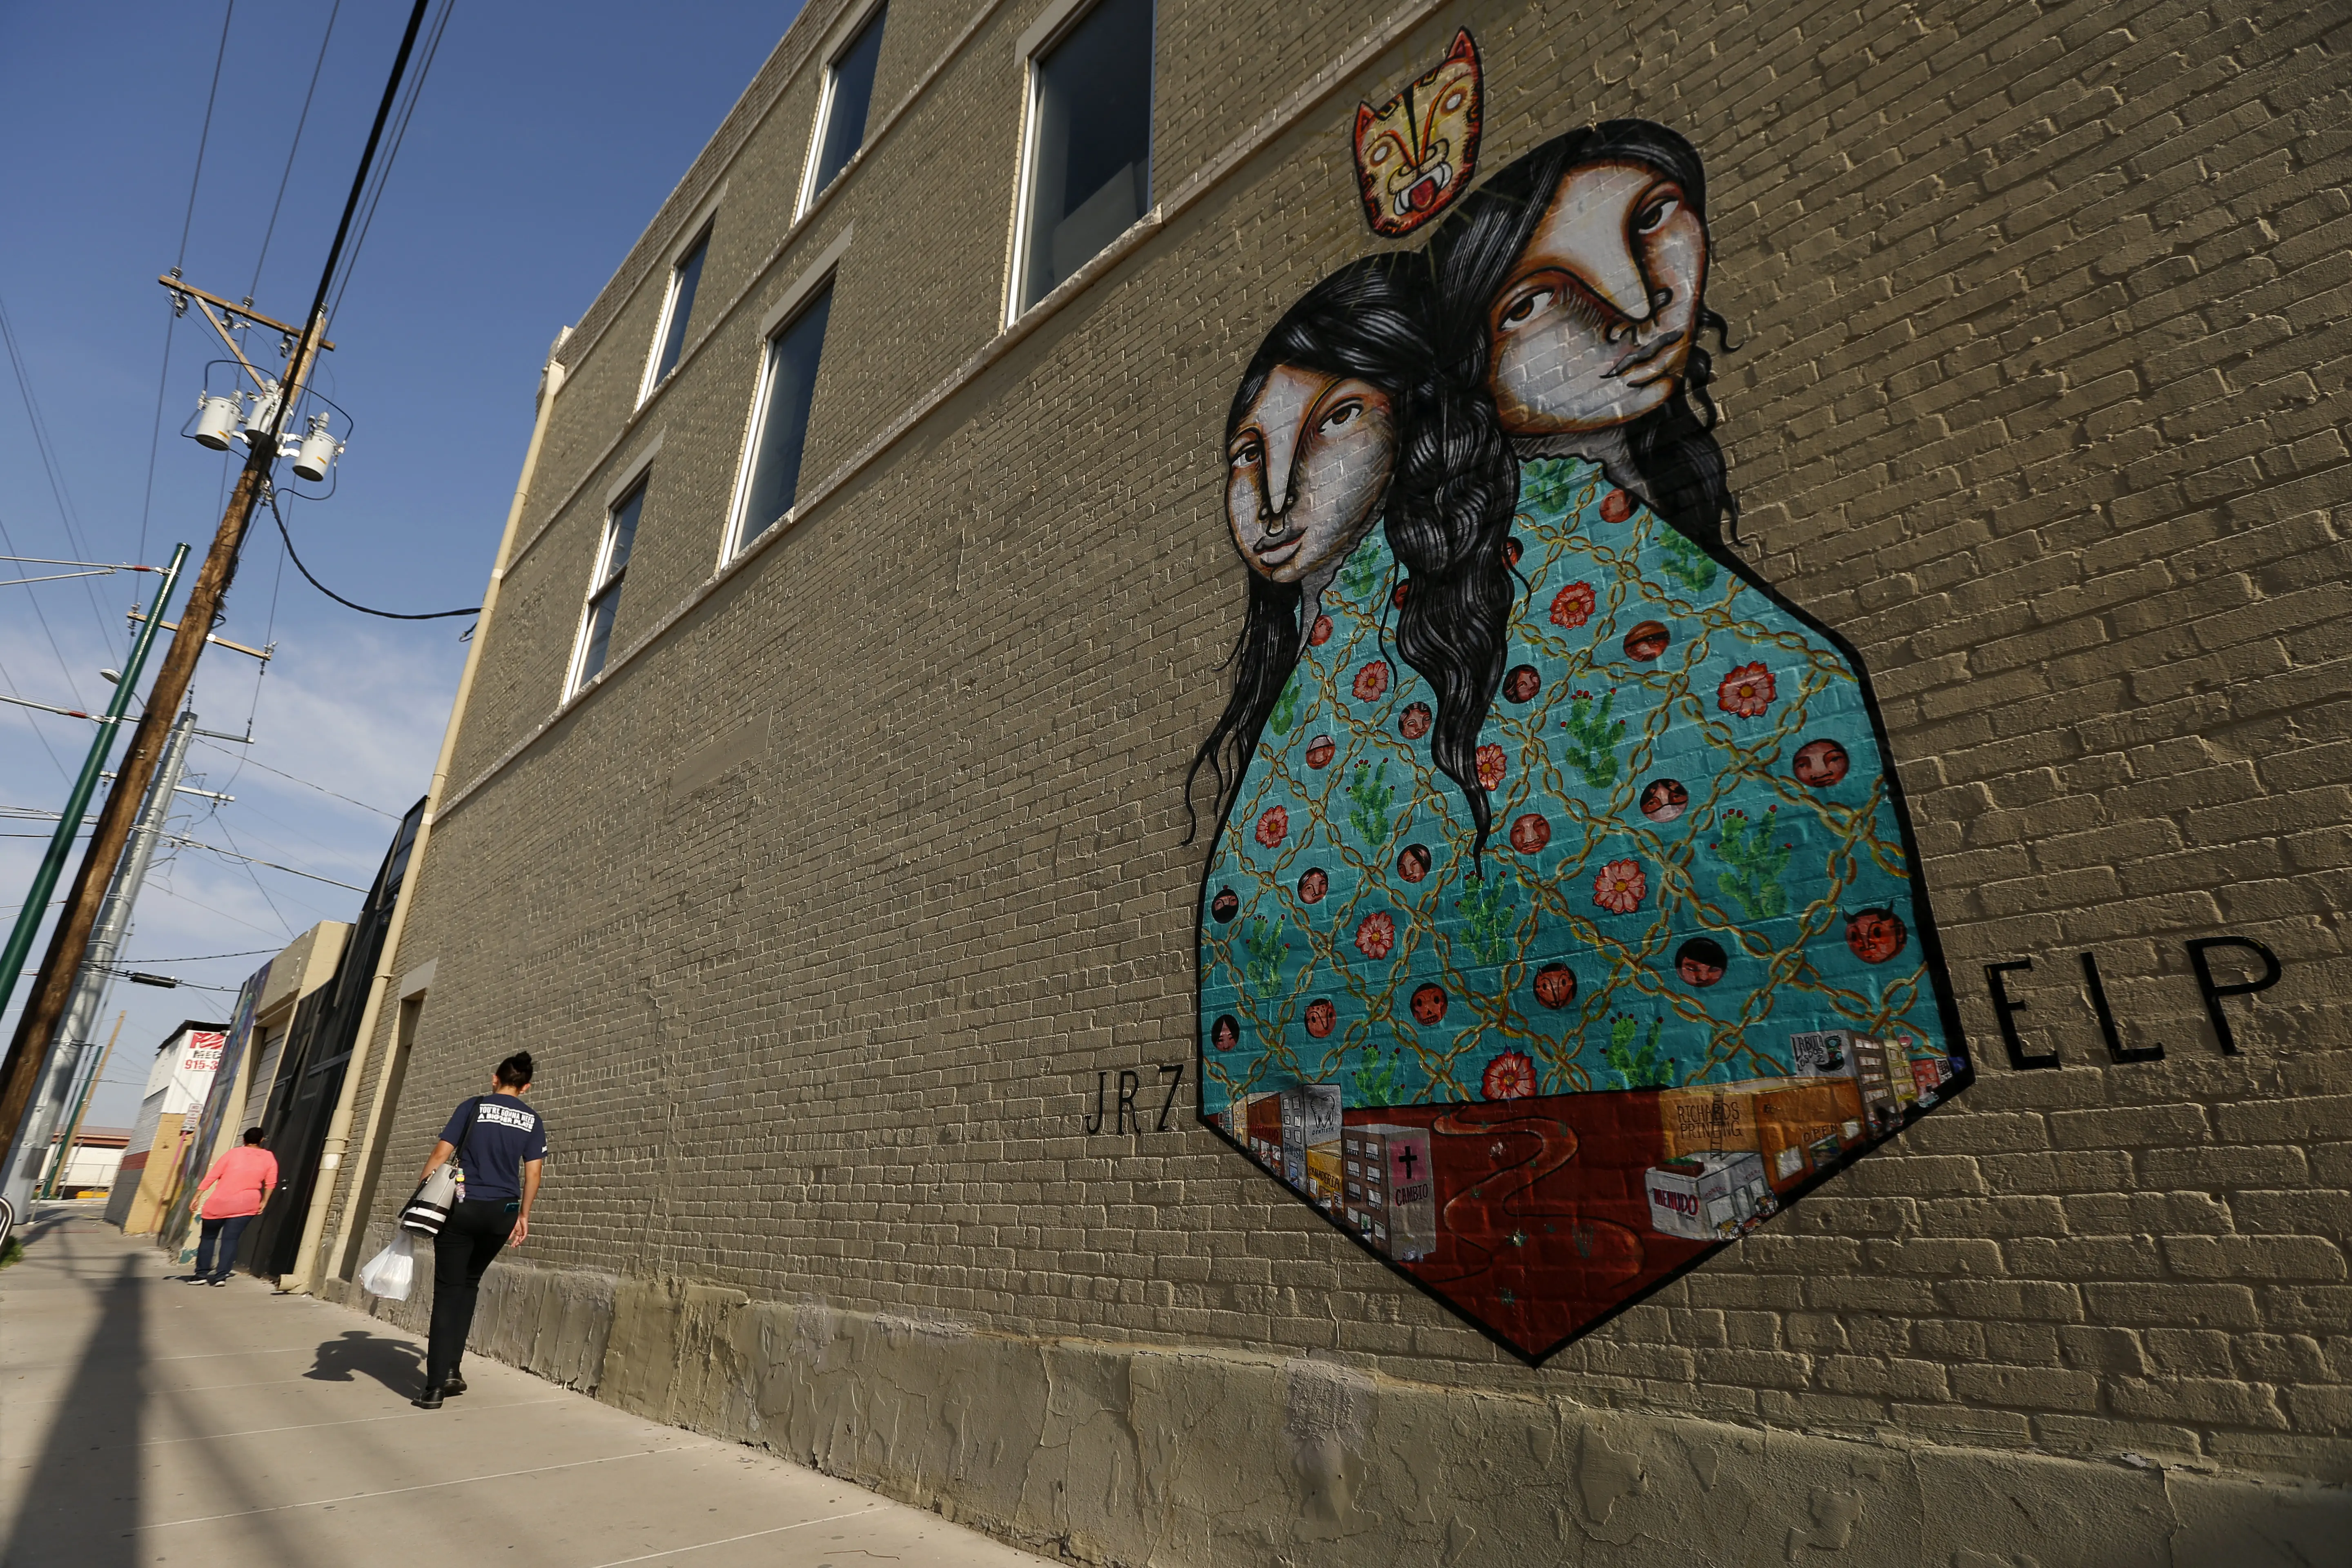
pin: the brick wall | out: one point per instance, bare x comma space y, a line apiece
2037, 398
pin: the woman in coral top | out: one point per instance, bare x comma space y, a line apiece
239, 1183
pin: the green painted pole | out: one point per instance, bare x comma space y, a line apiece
101, 746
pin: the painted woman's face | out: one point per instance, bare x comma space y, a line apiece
1305, 470
1595, 324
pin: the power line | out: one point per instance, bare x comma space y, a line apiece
383, 174
202, 137
271, 494
306, 784
209, 957
51, 465
303, 119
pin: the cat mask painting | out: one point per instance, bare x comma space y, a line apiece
1415, 153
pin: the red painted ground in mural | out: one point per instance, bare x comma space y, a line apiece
1542, 1222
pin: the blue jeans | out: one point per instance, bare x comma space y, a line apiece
227, 1234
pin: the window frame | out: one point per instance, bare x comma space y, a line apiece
699, 240
604, 581
818, 280
846, 36
1047, 33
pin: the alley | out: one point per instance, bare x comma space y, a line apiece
143, 1420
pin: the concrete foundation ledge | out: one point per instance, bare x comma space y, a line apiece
551, 1321
1142, 1455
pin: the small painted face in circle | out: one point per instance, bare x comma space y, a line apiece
1319, 752
1529, 834
1700, 962
1512, 551
1647, 641
1821, 763
1662, 800
1595, 324
1413, 863
1312, 885
1321, 1018
1226, 905
1225, 1034
1522, 683
1429, 1004
1556, 985
1414, 723
1305, 470
1875, 935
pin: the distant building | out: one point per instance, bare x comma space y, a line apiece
91, 1163
176, 1085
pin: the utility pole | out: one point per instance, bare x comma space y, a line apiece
75, 1043
102, 745
82, 1108
44, 1008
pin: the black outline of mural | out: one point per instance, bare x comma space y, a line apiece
1927, 932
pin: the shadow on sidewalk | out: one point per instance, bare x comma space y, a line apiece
396, 1364
83, 1504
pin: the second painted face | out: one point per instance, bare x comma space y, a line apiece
1305, 471
1594, 326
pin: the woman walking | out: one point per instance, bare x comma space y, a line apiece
499, 1142
240, 1183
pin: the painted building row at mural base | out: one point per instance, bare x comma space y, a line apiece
1562, 922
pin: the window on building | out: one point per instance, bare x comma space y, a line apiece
604, 593
781, 418
677, 310
1089, 157
841, 113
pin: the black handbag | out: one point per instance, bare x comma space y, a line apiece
427, 1208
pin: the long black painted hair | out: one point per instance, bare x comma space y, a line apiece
1457, 482
1672, 446
1364, 320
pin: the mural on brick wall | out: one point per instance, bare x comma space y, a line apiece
1562, 920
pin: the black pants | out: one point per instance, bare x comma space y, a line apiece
462, 1254
220, 1239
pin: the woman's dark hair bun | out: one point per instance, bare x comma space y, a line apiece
516, 1069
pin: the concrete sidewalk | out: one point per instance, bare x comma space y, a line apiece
143, 1421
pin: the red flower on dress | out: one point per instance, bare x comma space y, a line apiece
1376, 937
1320, 633
1746, 691
1573, 605
1510, 1076
1621, 887
1319, 751
1272, 826
1616, 507
1371, 680
1492, 766
1321, 1017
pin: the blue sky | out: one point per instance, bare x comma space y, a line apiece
546, 136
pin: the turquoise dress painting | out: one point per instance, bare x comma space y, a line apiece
1694, 856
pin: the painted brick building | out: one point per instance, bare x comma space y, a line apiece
816, 804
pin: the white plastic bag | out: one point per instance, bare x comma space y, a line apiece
387, 1274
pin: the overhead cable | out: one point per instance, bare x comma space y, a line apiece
271, 493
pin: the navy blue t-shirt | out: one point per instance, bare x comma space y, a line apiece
505, 1133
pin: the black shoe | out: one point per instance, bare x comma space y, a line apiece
455, 1386
429, 1398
